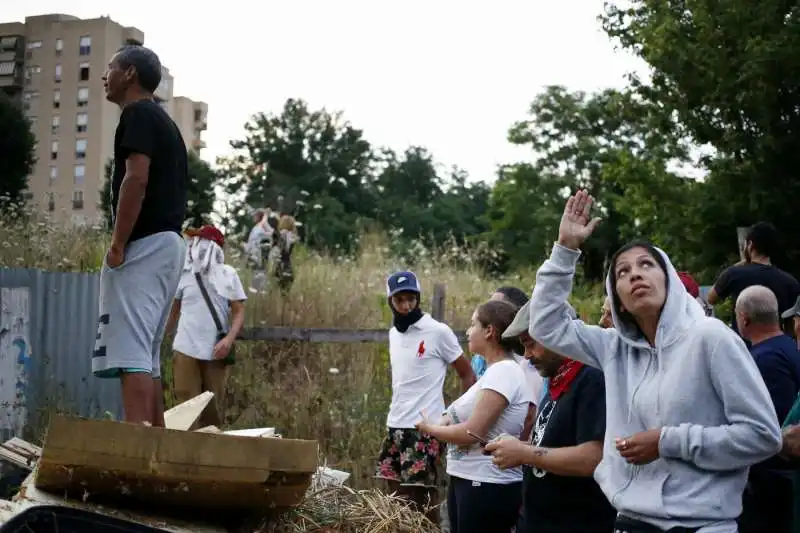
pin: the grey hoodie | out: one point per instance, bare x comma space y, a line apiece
699, 384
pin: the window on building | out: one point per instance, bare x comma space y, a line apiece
34, 45
54, 150
80, 149
55, 123
82, 122
58, 73
84, 71
86, 45
51, 202
80, 172
7, 68
83, 96
30, 95
8, 43
56, 98
53, 174
33, 69
77, 199
59, 46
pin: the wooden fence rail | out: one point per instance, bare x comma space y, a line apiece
342, 335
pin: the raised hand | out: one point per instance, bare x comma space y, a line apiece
576, 225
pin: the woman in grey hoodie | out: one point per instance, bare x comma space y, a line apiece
687, 410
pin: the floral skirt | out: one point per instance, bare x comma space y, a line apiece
409, 458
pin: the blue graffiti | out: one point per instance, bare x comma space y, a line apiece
25, 361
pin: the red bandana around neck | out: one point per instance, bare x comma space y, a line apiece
567, 373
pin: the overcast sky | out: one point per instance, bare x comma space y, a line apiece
450, 76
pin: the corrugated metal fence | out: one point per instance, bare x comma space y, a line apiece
48, 324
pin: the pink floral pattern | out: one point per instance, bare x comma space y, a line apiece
409, 458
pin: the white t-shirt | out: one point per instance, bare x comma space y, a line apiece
532, 376
197, 334
419, 359
507, 379
534, 379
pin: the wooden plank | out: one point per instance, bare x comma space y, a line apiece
181, 468
438, 302
185, 415
315, 335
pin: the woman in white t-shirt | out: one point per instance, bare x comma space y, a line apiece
482, 497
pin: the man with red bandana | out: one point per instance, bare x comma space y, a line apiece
559, 494
209, 311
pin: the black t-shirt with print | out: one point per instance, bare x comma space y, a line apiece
556, 504
737, 278
145, 128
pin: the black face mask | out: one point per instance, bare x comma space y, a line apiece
403, 322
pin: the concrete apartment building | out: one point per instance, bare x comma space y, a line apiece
53, 65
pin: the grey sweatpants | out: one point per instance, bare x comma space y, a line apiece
135, 301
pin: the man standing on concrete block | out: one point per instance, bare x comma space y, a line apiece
142, 268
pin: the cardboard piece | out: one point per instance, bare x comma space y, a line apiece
184, 416
255, 432
158, 466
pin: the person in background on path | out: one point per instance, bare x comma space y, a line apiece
420, 350
143, 265
258, 246
793, 313
760, 245
481, 496
768, 499
284, 239
682, 428
200, 359
559, 494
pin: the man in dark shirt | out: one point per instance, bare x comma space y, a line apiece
768, 499
559, 494
793, 314
760, 244
143, 265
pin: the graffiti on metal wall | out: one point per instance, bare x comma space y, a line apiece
15, 357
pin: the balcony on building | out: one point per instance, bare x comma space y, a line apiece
200, 110
12, 62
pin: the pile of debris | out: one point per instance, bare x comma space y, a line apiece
248, 470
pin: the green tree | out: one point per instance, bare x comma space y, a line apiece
523, 214
201, 194
17, 144
578, 139
730, 73
310, 163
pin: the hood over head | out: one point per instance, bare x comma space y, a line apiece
680, 311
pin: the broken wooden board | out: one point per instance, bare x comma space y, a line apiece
30, 496
185, 415
153, 465
20, 453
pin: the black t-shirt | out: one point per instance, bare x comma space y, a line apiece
555, 504
737, 278
145, 128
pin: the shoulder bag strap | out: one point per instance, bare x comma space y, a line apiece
214, 315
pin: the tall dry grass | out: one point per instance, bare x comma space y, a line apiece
337, 394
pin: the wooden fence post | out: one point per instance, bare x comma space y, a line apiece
438, 303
